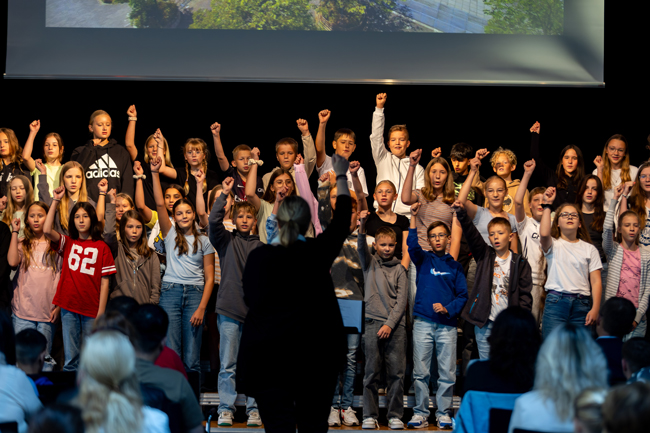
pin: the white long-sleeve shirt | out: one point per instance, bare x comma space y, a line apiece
390, 167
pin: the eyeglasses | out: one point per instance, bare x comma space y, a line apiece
194, 152
438, 236
567, 215
644, 176
615, 150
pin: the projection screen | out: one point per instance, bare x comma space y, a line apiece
501, 42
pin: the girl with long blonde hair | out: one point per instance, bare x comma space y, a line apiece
197, 155
17, 201
613, 167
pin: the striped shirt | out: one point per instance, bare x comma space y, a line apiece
429, 212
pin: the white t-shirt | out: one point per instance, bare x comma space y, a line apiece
500, 284
528, 231
569, 266
186, 268
327, 166
616, 181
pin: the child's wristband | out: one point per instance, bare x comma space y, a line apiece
141, 176
548, 206
102, 193
133, 119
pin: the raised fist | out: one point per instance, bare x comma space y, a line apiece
324, 116
303, 126
131, 111
381, 100
215, 128
414, 157
35, 126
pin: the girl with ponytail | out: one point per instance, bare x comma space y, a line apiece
281, 312
109, 391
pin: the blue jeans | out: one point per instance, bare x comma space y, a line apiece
180, 302
482, 335
344, 401
559, 309
45, 328
427, 337
75, 328
229, 337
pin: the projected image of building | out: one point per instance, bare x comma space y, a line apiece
539, 17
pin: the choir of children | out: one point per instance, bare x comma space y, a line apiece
441, 245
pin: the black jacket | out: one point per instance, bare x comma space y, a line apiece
479, 303
111, 162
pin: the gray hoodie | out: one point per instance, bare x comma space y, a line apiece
386, 286
233, 249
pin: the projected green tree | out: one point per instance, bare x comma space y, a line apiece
255, 15
153, 13
531, 17
366, 15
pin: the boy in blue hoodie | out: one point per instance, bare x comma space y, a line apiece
441, 296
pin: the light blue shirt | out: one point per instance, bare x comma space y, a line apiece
483, 217
187, 268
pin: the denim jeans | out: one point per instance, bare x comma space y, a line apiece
76, 327
45, 328
482, 335
427, 338
390, 352
180, 302
560, 309
639, 331
229, 337
344, 401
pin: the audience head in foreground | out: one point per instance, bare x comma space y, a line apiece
636, 360
31, 348
627, 409
588, 415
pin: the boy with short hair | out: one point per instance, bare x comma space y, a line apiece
238, 168
31, 349
441, 295
616, 320
636, 360
384, 340
504, 162
344, 145
286, 151
393, 165
503, 278
233, 249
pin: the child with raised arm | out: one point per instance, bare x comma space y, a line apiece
503, 277
52, 154
286, 152
239, 167
82, 292
384, 340
11, 159
441, 295
528, 231
233, 249
197, 155
189, 275
344, 145
573, 282
629, 265
39, 270
152, 149
102, 158
393, 165
504, 162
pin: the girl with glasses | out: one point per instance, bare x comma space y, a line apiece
613, 168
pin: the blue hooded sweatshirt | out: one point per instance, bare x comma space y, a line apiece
440, 280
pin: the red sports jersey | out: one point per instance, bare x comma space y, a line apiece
85, 262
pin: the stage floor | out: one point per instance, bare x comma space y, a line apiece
240, 427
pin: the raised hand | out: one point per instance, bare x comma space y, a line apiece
299, 160
331, 177
457, 206
216, 129
529, 166
255, 153
535, 127
15, 225
131, 111
137, 168
324, 116
340, 165
111, 195
155, 164
303, 126
58, 193
200, 177
414, 157
40, 166
159, 137
281, 194
325, 177
549, 195
482, 153
363, 215
381, 100
227, 185
475, 164
354, 167
103, 186
3, 203
598, 162
34, 126
415, 208
436, 152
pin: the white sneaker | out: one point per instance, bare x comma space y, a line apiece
225, 419
370, 423
418, 421
395, 424
349, 417
334, 419
444, 421
254, 419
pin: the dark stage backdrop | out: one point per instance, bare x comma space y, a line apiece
259, 114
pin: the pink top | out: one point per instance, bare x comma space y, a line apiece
302, 183
628, 287
35, 288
